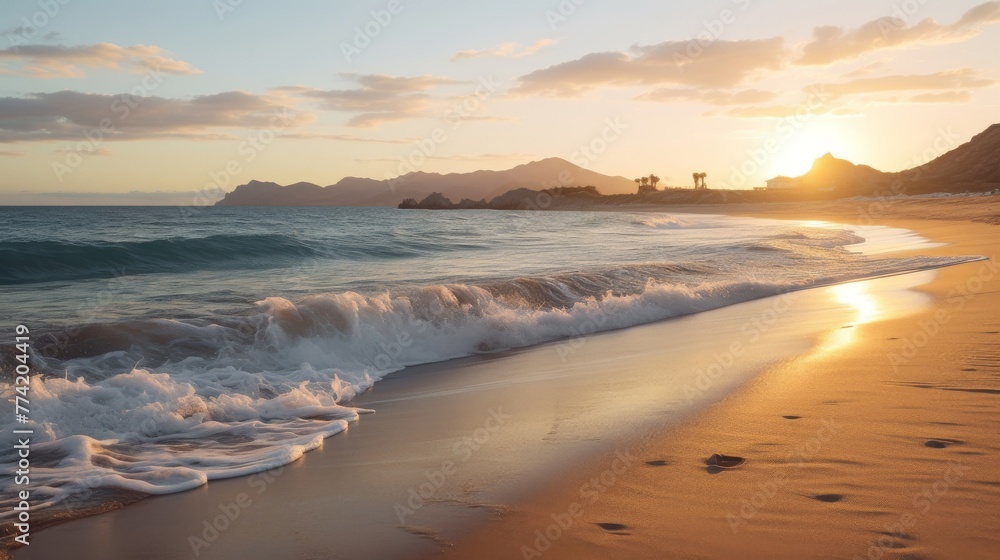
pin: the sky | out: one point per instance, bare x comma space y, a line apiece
143, 102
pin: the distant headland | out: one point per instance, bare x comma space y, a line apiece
557, 183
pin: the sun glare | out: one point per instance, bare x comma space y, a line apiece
797, 154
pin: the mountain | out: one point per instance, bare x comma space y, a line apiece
973, 166
355, 191
828, 172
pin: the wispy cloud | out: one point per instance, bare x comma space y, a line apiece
380, 98
56, 61
506, 50
831, 44
719, 64
966, 78
943, 97
711, 97
458, 157
66, 115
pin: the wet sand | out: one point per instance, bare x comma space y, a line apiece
884, 445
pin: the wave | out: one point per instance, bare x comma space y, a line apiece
30, 262
159, 406
44, 261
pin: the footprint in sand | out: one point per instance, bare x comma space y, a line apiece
791, 417
828, 498
941, 443
658, 463
718, 463
613, 528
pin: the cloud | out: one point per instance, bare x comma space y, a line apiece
718, 64
93, 152
966, 78
57, 61
347, 138
458, 157
785, 112
68, 115
506, 50
943, 97
850, 98
711, 97
831, 44
380, 98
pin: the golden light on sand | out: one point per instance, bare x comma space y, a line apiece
860, 299
863, 307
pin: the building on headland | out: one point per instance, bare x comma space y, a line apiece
782, 183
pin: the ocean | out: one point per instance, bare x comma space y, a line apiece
173, 346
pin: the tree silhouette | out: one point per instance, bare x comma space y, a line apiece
645, 181
637, 181
653, 180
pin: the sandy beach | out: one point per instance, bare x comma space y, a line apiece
864, 412
883, 447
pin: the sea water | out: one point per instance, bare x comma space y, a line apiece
174, 346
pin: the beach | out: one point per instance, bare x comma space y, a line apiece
864, 414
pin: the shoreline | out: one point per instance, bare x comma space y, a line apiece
857, 466
466, 513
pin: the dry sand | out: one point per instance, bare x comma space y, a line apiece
884, 447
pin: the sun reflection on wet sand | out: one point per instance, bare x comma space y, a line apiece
868, 301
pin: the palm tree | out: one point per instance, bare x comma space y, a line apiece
637, 181
653, 180
645, 181
703, 175
696, 176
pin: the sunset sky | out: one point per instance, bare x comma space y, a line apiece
649, 86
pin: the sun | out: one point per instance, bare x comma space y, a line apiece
797, 152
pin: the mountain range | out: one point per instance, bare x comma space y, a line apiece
973, 166
354, 191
